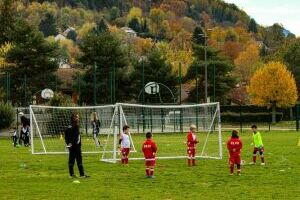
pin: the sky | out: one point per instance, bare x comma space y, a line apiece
268, 12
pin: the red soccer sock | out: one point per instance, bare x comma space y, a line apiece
189, 162
151, 172
231, 169
254, 159
194, 162
126, 160
263, 159
122, 160
147, 172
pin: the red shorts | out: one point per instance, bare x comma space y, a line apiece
191, 152
258, 150
150, 162
125, 151
235, 160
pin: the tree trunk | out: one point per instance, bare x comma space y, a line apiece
274, 114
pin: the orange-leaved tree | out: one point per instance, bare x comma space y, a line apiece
273, 86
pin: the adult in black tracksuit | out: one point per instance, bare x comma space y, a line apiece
73, 141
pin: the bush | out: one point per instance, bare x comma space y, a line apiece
6, 115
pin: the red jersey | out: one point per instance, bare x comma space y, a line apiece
191, 140
149, 149
234, 146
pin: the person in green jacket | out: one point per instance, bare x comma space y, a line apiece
258, 146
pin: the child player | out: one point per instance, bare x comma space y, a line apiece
149, 149
258, 146
191, 146
15, 137
234, 146
125, 145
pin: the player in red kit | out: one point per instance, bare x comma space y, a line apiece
191, 146
234, 146
149, 149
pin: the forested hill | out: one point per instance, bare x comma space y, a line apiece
218, 10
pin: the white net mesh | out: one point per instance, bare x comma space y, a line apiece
48, 125
169, 125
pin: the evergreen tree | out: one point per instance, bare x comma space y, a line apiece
48, 25
134, 24
7, 20
104, 49
156, 69
34, 61
252, 26
198, 36
72, 35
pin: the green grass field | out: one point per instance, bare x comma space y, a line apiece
46, 176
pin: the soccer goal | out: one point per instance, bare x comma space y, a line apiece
48, 125
169, 125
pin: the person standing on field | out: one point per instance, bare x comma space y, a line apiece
258, 146
149, 149
191, 145
73, 141
124, 141
96, 128
234, 146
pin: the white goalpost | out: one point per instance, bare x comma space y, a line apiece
168, 123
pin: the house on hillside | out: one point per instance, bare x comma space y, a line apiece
129, 31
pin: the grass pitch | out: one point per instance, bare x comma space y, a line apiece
26, 176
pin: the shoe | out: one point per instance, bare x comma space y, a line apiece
147, 177
152, 177
239, 174
252, 163
231, 174
84, 176
262, 164
73, 176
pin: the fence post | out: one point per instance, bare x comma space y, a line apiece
241, 118
297, 117
94, 84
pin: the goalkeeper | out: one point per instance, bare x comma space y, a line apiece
258, 146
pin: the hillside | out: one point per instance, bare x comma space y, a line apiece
237, 44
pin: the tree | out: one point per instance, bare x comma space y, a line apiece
220, 80
273, 86
252, 26
72, 35
247, 62
104, 49
198, 36
114, 13
7, 20
134, 13
156, 69
134, 24
48, 25
292, 59
156, 16
33, 58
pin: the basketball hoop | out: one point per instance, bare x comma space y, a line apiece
152, 88
47, 93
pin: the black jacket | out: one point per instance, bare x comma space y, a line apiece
72, 136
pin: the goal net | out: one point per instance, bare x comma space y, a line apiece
168, 123
48, 125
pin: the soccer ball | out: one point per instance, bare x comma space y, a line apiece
243, 162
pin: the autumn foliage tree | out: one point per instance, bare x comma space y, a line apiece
273, 86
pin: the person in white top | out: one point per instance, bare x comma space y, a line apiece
125, 145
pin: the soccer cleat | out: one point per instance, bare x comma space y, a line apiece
252, 163
152, 177
85, 176
231, 174
73, 176
262, 164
